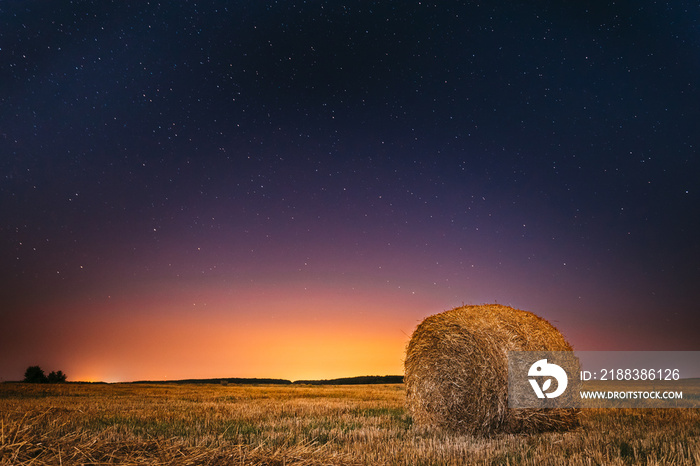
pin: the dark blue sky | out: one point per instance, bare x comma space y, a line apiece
543, 155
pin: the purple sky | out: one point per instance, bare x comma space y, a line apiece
285, 189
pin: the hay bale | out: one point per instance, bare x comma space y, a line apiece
456, 370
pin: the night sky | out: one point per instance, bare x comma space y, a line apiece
286, 189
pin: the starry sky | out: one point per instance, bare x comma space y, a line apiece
287, 188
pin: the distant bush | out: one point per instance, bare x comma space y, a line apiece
56, 377
35, 374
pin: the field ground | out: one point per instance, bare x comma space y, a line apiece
303, 425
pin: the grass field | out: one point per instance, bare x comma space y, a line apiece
303, 425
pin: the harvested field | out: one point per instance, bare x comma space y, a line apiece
302, 425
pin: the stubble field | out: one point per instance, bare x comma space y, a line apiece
303, 425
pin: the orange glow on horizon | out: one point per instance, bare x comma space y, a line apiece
285, 353
287, 335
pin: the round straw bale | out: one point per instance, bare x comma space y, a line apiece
456, 370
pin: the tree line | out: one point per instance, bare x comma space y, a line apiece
35, 374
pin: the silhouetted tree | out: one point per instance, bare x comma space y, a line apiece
57, 377
34, 374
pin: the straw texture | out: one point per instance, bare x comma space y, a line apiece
456, 370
